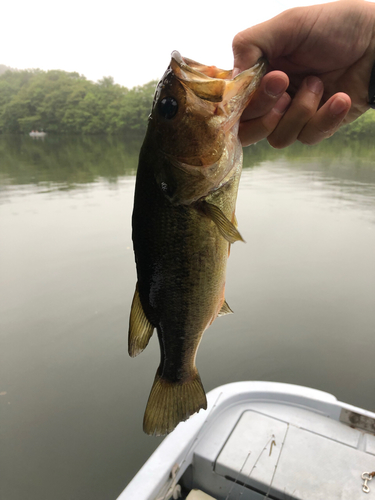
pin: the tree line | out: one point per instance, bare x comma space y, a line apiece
67, 103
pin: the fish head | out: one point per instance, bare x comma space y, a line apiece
194, 124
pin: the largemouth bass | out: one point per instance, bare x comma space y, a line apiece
183, 224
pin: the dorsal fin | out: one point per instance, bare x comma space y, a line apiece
140, 329
225, 226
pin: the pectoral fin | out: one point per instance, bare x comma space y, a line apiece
225, 309
225, 226
140, 329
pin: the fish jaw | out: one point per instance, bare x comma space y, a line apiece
232, 95
198, 146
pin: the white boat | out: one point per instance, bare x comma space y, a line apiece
35, 133
264, 440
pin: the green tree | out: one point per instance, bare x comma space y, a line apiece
67, 103
61, 102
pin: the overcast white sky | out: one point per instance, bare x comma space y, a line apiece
130, 40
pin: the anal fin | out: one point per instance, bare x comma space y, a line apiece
226, 228
140, 329
225, 309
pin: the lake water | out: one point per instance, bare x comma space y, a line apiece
302, 288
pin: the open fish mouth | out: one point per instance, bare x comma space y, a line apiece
201, 70
213, 85
216, 85
194, 123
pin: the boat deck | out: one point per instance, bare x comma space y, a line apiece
265, 440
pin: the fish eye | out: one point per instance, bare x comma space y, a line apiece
168, 107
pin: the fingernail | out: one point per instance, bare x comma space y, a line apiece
235, 72
282, 103
275, 87
338, 106
314, 84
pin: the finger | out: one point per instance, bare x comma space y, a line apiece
255, 130
326, 120
274, 38
245, 52
303, 107
272, 87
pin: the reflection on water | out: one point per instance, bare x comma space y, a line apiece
66, 162
302, 289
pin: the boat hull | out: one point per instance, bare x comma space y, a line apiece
264, 438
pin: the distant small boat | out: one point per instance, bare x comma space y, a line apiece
264, 440
36, 133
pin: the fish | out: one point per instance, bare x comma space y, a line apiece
183, 225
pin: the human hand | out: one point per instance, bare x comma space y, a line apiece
327, 51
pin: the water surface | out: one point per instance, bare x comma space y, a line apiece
302, 288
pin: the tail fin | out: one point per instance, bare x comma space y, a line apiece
170, 403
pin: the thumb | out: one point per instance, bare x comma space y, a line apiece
274, 38
245, 51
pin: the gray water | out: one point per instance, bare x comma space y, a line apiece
302, 288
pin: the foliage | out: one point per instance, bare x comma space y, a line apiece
3, 68
61, 102
364, 126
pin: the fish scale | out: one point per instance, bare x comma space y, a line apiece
185, 195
